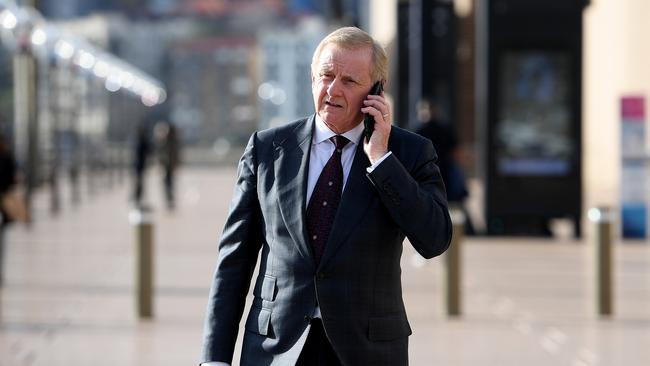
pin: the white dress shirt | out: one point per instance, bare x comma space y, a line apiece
322, 149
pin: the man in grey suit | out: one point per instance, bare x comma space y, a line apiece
328, 210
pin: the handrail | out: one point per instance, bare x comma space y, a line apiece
24, 30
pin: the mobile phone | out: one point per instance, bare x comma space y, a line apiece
368, 120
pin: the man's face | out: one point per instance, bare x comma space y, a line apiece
340, 82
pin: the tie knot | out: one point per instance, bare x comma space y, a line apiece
339, 141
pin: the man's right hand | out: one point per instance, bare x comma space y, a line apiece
377, 147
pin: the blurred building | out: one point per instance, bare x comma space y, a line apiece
6, 93
233, 66
616, 59
66, 9
213, 85
162, 6
285, 63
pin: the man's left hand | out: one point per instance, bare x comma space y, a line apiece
376, 106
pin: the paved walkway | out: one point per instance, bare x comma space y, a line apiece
68, 293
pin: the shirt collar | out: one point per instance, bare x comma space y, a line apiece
322, 132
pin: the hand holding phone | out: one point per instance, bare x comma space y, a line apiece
368, 120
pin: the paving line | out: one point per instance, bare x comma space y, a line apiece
585, 357
524, 323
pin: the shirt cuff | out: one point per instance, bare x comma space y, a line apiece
376, 164
214, 364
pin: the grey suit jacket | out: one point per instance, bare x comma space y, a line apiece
358, 281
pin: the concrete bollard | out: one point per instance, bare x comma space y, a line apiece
603, 220
453, 279
141, 219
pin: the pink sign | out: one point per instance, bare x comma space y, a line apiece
633, 108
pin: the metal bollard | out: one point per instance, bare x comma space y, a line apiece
453, 299
141, 219
603, 220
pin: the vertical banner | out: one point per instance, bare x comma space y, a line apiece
634, 173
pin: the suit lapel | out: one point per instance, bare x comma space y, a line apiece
355, 200
291, 168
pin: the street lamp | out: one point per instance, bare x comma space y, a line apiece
9, 20
64, 49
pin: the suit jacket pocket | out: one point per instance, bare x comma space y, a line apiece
258, 321
389, 328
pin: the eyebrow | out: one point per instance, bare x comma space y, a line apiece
324, 68
349, 78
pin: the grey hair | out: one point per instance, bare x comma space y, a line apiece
353, 38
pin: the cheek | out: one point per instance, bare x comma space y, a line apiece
316, 87
357, 100
319, 91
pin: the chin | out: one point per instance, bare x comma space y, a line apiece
327, 117
331, 122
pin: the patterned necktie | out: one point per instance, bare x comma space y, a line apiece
325, 199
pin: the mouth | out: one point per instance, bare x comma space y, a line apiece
332, 104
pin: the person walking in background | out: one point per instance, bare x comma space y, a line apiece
326, 211
141, 151
7, 181
168, 151
445, 141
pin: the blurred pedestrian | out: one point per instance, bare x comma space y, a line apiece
7, 182
168, 151
445, 141
142, 149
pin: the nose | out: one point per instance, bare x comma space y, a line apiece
334, 88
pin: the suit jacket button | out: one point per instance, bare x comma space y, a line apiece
320, 275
